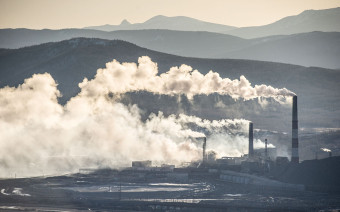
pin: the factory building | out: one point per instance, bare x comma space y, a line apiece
141, 164
266, 153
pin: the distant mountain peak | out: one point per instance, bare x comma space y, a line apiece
125, 22
180, 23
159, 17
156, 18
324, 12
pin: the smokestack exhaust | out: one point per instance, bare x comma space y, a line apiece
295, 133
251, 143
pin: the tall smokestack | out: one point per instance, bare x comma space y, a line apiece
251, 144
204, 147
266, 149
295, 133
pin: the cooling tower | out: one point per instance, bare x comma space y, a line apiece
251, 143
295, 133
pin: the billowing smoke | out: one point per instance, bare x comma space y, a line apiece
208, 127
40, 136
127, 77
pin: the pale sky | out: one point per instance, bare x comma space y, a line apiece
56, 14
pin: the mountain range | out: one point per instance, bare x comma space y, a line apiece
310, 20
163, 22
320, 49
70, 61
292, 40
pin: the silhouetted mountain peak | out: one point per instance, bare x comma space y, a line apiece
125, 22
335, 10
179, 19
181, 23
156, 18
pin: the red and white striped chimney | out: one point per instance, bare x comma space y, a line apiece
295, 133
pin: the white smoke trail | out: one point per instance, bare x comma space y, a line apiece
214, 126
38, 135
127, 77
326, 150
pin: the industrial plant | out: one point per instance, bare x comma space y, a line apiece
258, 167
170, 106
257, 181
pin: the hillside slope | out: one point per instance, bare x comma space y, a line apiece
318, 49
71, 60
321, 49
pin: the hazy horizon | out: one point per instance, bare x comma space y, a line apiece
40, 14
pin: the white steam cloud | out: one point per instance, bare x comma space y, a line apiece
38, 135
127, 77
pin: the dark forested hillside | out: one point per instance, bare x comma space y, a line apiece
71, 60
319, 49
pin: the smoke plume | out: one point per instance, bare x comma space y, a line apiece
40, 136
128, 77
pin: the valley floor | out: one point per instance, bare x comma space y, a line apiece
104, 193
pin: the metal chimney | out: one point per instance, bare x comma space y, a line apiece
266, 149
204, 147
251, 145
295, 133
